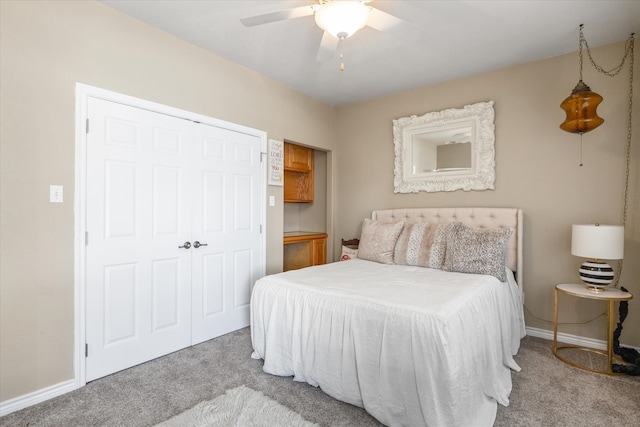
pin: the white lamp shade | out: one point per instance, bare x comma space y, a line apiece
597, 241
342, 18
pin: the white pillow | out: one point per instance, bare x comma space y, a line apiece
378, 240
348, 253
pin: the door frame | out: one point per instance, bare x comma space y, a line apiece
83, 92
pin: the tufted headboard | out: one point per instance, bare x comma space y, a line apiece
471, 217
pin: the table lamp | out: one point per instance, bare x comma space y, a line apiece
597, 242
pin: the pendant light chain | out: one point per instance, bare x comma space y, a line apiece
629, 132
625, 208
624, 305
615, 70
581, 150
582, 40
629, 46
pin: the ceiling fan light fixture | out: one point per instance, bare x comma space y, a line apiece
342, 18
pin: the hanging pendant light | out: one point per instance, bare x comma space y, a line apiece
581, 105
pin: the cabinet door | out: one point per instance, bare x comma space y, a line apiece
298, 158
297, 255
319, 251
298, 187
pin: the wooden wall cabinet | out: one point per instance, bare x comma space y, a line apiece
298, 158
303, 249
298, 174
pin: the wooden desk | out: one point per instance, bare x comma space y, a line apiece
303, 249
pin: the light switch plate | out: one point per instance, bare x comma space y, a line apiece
272, 200
55, 193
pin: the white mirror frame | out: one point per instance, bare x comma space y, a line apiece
481, 175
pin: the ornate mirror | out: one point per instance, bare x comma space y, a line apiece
445, 150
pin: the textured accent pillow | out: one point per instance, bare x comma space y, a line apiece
477, 250
421, 245
378, 240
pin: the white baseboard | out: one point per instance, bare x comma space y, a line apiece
24, 401
571, 339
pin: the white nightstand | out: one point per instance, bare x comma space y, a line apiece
611, 295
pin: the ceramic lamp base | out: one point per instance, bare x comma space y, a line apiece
597, 274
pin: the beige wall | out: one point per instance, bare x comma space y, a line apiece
46, 48
311, 216
537, 169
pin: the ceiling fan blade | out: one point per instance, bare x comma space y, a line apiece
296, 12
394, 26
327, 48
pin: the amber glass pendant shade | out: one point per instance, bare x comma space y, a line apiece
580, 108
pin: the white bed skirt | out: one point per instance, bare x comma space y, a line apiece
411, 345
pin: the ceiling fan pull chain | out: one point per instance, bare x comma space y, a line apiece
341, 63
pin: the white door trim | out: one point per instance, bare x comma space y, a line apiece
83, 92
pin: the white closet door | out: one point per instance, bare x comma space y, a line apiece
154, 183
138, 284
227, 219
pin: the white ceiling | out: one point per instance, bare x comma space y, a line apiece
460, 38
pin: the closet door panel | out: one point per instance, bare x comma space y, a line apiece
138, 282
227, 220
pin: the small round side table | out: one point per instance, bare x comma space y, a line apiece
611, 295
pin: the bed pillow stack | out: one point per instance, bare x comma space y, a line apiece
449, 247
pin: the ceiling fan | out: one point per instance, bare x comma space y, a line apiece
340, 19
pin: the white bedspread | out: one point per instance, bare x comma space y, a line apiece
413, 346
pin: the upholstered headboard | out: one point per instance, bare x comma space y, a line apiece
471, 217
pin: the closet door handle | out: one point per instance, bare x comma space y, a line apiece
197, 244
186, 245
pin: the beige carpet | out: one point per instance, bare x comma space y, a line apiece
546, 392
241, 407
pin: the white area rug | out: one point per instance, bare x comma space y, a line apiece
238, 407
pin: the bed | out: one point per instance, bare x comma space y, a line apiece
417, 337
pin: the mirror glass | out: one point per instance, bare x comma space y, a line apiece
446, 150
